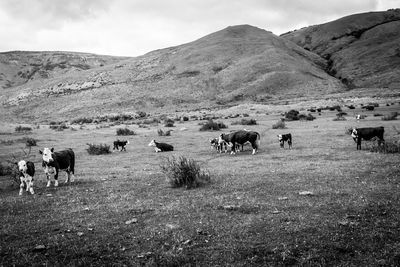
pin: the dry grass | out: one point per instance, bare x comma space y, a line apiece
121, 211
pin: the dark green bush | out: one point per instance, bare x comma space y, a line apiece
82, 120
98, 149
245, 122
125, 131
292, 115
29, 141
20, 129
212, 126
183, 172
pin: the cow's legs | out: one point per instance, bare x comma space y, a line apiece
48, 180
21, 185
56, 178
233, 148
29, 185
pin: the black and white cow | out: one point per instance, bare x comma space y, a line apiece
241, 137
53, 162
367, 134
161, 147
283, 138
218, 146
26, 172
121, 144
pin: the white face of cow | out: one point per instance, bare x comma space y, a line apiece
152, 143
279, 137
22, 166
220, 139
47, 155
354, 133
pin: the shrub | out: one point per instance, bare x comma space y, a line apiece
308, 117
162, 133
125, 131
292, 115
82, 121
387, 147
20, 129
151, 121
279, 125
169, 123
339, 118
245, 122
183, 172
98, 149
369, 107
212, 126
377, 114
59, 127
351, 107
390, 117
29, 141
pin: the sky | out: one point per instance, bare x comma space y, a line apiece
134, 27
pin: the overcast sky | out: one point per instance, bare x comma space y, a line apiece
135, 27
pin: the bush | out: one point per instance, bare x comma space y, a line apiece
20, 129
212, 126
292, 115
279, 125
245, 122
82, 121
98, 149
351, 107
169, 123
387, 147
125, 131
184, 172
308, 117
30, 141
59, 127
390, 117
162, 133
151, 121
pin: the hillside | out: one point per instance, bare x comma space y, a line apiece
239, 63
363, 49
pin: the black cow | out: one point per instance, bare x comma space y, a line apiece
26, 172
55, 161
367, 134
161, 147
121, 144
283, 138
241, 137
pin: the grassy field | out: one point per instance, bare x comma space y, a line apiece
321, 203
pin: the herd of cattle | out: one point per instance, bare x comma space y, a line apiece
53, 162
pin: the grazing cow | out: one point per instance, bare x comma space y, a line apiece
26, 172
55, 161
121, 144
367, 134
241, 137
283, 138
219, 147
161, 147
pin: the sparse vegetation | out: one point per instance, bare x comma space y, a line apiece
125, 131
388, 147
162, 133
82, 120
245, 122
29, 141
184, 172
98, 149
22, 129
390, 117
279, 125
212, 126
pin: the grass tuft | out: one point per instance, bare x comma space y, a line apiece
279, 125
184, 172
98, 149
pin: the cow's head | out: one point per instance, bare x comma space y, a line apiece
281, 142
354, 134
47, 154
22, 166
152, 143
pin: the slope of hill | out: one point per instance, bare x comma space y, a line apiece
18, 67
235, 64
363, 49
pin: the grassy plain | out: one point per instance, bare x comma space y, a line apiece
121, 211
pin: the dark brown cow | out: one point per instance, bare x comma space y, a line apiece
367, 134
241, 137
283, 138
55, 161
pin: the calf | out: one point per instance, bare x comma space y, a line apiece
161, 147
53, 162
283, 138
26, 172
121, 144
219, 147
367, 134
241, 137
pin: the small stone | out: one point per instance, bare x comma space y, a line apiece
283, 198
134, 220
39, 248
80, 233
306, 193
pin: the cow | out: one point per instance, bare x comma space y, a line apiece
283, 138
241, 137
219, 147
121, 144
161, 147
26, 172
53, 162
367, 134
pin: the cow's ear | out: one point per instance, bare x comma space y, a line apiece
40, 151
16, 163
52, 149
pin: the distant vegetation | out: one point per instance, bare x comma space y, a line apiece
22, 129
98, 149
390, 117
162, 133
279, 125
245, 122
125, 131
212, 126
294, 115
